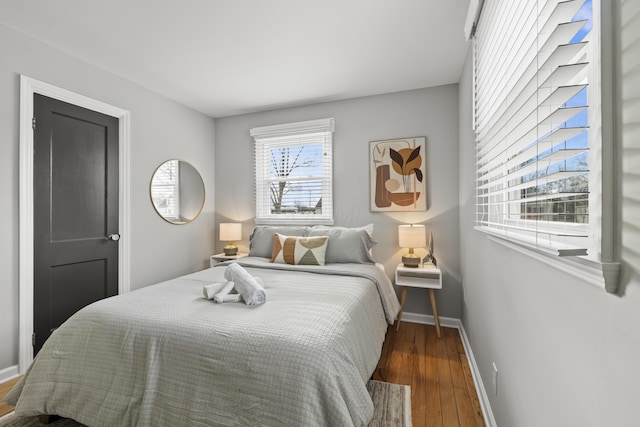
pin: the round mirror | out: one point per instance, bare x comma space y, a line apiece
177, 192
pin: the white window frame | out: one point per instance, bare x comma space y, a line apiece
601, 267
293, 135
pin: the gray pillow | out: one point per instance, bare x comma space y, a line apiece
261, 239
346, 244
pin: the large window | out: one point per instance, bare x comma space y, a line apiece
293, 167
538, 125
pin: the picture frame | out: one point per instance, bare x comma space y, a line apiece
398, 175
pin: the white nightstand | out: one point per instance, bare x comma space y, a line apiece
426, 276
218, 258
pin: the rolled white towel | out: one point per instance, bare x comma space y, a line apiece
210, 290
220, 296
231, 298
251, 289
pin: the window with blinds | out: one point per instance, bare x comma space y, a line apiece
293, 167
532, 121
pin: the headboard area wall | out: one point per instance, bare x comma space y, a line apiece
431, 112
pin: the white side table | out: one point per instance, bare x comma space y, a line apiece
218, 258
427, 276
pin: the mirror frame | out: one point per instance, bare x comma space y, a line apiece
204, 193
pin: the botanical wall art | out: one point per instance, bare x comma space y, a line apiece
398, 174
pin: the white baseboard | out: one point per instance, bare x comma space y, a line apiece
451, 322
425, 319
475, 372
9, 373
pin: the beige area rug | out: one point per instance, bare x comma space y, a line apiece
392, 403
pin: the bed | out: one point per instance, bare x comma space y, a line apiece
165, 356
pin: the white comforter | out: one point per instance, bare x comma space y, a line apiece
165, 356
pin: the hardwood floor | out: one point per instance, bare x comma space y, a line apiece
4, 389
442, 390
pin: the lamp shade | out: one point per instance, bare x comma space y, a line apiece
412, 236
230, 231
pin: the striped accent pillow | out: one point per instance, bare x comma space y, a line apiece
297, 250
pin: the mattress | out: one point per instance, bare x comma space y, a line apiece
165, 356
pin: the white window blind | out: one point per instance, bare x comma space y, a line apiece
533, 133
293, 167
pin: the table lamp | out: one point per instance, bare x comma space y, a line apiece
230, 232
411, 236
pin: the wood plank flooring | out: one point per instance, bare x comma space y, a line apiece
442, 390
4, 389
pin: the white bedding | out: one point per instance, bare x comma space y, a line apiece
165, 356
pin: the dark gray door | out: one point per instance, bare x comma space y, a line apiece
75, 210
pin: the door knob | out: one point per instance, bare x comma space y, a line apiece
115, 237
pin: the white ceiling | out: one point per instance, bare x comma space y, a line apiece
226, 57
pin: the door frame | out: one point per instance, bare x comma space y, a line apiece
29, 87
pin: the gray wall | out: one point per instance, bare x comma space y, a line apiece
567, 352
428, 112
160, 130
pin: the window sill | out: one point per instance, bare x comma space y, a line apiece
304, 220
604, 275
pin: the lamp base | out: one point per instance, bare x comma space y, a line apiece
230, 250
411, 260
